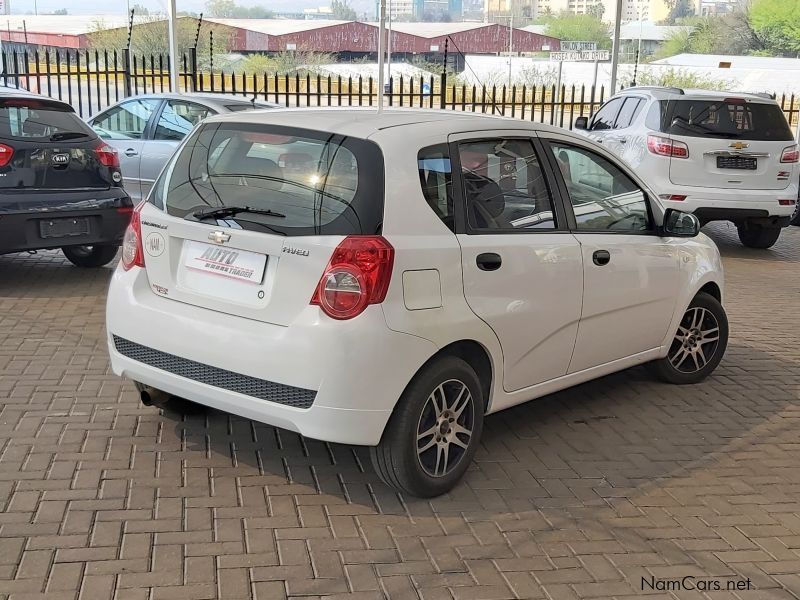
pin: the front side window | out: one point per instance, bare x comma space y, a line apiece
504, 186
603, 198
436, 179
178, 118
126, 121
314, 182
605, 117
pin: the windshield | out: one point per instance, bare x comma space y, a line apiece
319, 183
730, 119
38, 120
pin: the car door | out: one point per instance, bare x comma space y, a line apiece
602, 124
620, 139
522, 268
124, 127
176, 119
630, 274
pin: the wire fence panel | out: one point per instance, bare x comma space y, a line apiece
91, 80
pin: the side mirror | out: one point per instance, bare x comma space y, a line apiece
680, 224
582, 123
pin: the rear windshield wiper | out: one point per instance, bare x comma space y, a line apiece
68, 135
230, 211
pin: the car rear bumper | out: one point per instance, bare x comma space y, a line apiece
336, 381
713, 204
106, 212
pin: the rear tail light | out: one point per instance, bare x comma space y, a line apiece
662, 146
107, 155
6, 154
673, 197
790, 154
357, 275
132, 251
787, 202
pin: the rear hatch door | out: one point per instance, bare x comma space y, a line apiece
733, 143
294, 195
45, 146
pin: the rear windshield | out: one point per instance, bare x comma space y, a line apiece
38, 120
318, 183
719, 118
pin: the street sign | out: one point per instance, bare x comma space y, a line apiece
578, 46
575, 56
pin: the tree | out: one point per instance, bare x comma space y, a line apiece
678, 9
228, 9
140, 10
61, 12
342, 10
150, 38
584, 28
597, 11
777, 24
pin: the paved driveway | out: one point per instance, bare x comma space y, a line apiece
616, 488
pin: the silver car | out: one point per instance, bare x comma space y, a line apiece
147, 129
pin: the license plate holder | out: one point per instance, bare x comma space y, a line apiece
231, 263
64, 228
742, 163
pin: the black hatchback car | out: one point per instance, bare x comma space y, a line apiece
60, 184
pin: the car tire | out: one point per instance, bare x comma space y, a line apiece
90, 257
795, 218
698, 345
434, 430
755, 236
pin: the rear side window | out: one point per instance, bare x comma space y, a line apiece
436, 178
726, 119
320, 182
34, 119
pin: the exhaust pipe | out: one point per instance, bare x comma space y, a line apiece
151, 396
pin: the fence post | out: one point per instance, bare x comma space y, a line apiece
193, 67
126, 71
443, 82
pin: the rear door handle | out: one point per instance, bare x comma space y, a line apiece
489, 261
601, 257
131, 152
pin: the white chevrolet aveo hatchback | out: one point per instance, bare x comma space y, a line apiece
389, 279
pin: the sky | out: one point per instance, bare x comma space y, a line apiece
93, 7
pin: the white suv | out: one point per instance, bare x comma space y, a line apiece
389, 279
718, 155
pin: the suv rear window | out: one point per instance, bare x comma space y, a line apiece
321, 182
726, 119
34, 119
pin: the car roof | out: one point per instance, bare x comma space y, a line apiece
365, 122
8, 92
664, 93
210, 98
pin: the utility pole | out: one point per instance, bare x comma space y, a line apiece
381, 33
615, 48
510, 42
389, 49
174, 63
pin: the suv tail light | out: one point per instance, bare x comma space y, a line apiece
6, 154
132, 250
666, 147
790, 154
107, 155
357, 275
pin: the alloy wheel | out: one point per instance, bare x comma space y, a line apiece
695, 342
445, 428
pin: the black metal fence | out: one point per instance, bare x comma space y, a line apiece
91, 80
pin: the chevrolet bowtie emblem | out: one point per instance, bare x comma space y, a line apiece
739, 145
219, 237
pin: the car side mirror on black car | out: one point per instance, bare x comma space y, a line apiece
581, 123
680, 224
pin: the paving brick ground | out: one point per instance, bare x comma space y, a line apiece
578, 495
